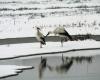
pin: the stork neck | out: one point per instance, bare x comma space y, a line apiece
38, 31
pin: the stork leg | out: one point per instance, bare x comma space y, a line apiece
40, 45
61, 42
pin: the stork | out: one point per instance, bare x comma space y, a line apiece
40, 37
62, 33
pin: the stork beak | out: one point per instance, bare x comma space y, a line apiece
47, 34
38, 28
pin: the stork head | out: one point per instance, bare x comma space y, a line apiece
38, 29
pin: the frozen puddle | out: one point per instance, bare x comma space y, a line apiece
11, 70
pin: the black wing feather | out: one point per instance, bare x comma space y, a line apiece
65, 33
42, 40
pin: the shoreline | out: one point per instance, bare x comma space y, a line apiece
48, 53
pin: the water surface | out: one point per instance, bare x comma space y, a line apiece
58, 67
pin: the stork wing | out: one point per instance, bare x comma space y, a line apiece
42, 40
67, 34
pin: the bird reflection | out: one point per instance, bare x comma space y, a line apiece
82, 58
65, 66
68, 62
42, 66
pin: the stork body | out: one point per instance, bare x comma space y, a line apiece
62, 33
40, 37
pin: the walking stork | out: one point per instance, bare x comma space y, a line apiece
62, 33
40, 37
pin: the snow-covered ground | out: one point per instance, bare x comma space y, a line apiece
15, 50
17, 19
9, 70
89, 24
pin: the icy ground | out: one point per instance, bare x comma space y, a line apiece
8, 70
15, 50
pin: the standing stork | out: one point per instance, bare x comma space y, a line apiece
62, 33
40, 37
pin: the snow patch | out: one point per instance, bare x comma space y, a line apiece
9, 70
15, 50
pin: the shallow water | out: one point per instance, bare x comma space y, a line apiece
60, 68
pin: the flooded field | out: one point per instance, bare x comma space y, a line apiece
57, 67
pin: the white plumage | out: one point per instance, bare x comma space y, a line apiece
40, 37
62, 33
